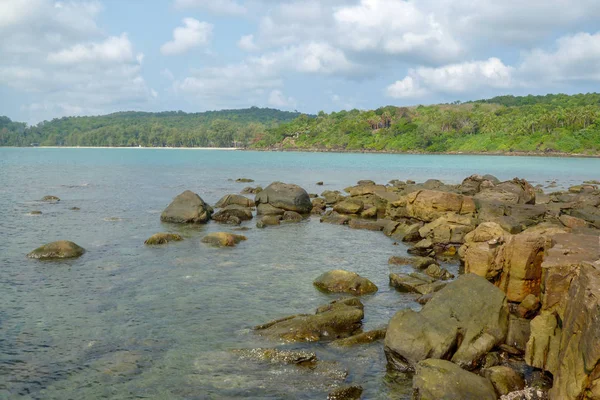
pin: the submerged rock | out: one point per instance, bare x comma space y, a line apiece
287, 197
339, 319
268, 220
461, 323
346, 393
50, 199
440, 379
340, 281
223, 239
244, 180
332, 217
251, 190
163, 238
35, 212
187, 207
57, 250
291, 216
361, 338
277, 356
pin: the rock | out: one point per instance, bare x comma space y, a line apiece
187, 207
287, 197
234, 210
572, 222
251, 190
366, 182
234, 199
543, 347
119, 364
340, 281
332, 197
441, 379
473, 184
223, 239
437, 272
277, 356
461, 323
396, 260
320, 183
74, 208
518, 334
349, 206
504, 379
57, 250
414, 283
450, 228
50, 199
163, 238
428, 205
370, 212
517, 191
268, 220
370, 225
422, 248
35, 212
291, 216
267, 209
526, 394
529, 305
361, 338
346, 393
339, 319
481, 248
332, 217
244, 180
319, 203
424, 299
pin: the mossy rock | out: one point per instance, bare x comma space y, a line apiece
223, 239
57, 250
163, 238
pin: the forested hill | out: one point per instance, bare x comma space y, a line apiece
539, 124
212, 128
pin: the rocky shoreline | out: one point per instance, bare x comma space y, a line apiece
521, 321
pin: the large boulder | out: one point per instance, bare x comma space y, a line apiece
57, 250
504, 379
428, 205
340, 281
187, 207
415, 283
349, 206
461, 323
223, 239
443, 380
287, 197
475, 183
234, 199
337, 320
516, 191
449, 228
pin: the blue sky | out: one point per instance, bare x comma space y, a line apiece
60, 58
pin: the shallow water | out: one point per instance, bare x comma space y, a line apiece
128, 321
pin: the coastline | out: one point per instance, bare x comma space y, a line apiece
341, 151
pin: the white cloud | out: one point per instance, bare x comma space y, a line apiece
192, 34
226, 7
279, 100
113, 49
467, 77
246, 43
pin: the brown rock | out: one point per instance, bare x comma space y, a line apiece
340, 281
223, 239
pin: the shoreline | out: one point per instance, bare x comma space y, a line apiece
340, 151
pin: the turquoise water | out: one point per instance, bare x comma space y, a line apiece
127, 321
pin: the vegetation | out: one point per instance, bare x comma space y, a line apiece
176, 129
552, 123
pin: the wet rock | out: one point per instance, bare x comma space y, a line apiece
267, 209
50, 199
238, 212
223, 239
441, 379
74, 208
162, 238
370, 225
415, 283
437, 272
320, 183
35, 212
397, 260
251, 190
269, 220
278, 356
423, 248
332, 197
234, 199
361, 338
462, 322
57, 250
518, 334
340, 281
339, 319
504, 379
292, 216
349, 206
244, 180
187, 207
332, 217
370, 212
287, 197
346, 393
319, 203
118, 364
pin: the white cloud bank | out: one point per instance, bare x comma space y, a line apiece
192, 34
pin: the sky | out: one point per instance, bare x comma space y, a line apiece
90, 57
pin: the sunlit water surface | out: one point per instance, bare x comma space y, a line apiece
130, 321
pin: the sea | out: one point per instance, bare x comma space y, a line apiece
128, 321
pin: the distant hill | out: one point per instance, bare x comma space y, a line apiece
176, 128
